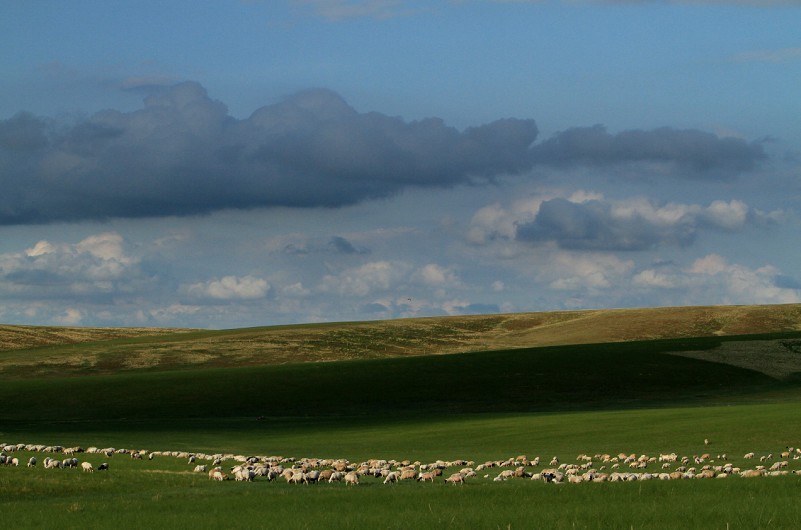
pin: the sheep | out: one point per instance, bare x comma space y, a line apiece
32, 461
297, 477
752, 473
351, 478
200, 469
244, 475
341, 466
504, 475
456, 478
778, 465
391, 477
103, 467
408, 474
87, 467
427, 476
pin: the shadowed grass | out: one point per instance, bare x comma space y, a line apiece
623, 375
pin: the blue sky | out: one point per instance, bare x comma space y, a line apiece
239, 163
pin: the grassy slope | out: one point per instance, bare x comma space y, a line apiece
561, 400
581, 377
370, 340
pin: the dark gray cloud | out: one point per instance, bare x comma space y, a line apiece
634, 224
183, 154
700, 152
592, 225
340, 245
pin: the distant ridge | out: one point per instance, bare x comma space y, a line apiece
31, 350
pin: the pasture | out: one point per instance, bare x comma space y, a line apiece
642, 397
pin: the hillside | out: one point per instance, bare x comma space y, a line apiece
31, 351
25, 337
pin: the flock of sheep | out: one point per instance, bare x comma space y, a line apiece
585, 468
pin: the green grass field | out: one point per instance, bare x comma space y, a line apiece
632, 397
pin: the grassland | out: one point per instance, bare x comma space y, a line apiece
653, 381
73, 351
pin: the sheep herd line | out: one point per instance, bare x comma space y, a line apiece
585, 468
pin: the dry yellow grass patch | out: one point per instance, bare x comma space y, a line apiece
24, 337
369, 340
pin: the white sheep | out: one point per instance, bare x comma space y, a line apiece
87, 467
456, 478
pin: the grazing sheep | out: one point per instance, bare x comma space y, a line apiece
391, 477
351, 479
103, 467
244, 475
504, 475
32, 461
297, 477
752, 473
408, 474
87, 467
429, 476
456, 478
200, 469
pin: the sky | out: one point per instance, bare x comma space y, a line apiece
244, 163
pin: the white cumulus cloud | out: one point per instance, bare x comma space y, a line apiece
230, 288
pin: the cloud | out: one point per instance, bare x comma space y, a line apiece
70, 317
713, 277
588, 221
182, 154
98, 265
340, 245
571, 271
230, 288
366, 279
434, 275
697, 152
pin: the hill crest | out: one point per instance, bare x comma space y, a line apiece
39, 351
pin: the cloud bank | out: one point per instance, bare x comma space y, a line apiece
182, 154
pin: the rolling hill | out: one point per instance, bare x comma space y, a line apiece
516, 363
31, 351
